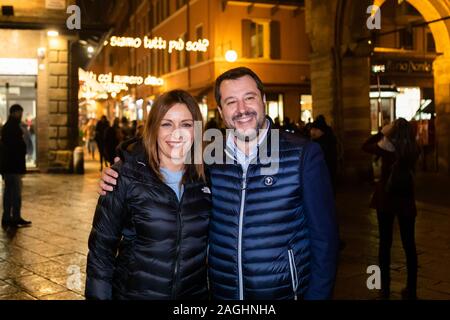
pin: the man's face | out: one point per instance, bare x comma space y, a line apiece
242, 106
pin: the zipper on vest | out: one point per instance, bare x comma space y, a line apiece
293, 271
177, 252
241, 219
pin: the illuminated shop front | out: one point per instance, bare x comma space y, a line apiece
34, 72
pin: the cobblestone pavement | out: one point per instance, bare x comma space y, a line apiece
48, 260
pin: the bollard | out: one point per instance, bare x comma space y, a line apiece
78, 160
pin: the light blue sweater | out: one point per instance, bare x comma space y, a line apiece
173, 179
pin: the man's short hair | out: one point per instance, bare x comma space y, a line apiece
234, 74
15, 108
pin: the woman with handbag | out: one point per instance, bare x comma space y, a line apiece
394, 197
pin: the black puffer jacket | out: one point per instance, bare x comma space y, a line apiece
144, 243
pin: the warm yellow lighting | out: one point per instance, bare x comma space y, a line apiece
119, 82
113, 94
159, 43
231, 56
52, 33
41, 52
90, 49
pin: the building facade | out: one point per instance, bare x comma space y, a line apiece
266, 36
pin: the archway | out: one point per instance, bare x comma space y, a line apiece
340, 71
433, 10
436, 11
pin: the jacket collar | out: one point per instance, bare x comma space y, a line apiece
263, 149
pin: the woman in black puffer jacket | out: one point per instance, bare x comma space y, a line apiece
149, 236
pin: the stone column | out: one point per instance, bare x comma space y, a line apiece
355, 115
442, 102
59, 154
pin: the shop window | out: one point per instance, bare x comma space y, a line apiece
431, 45
21, 90
407, 39
408, 102
261, 39
274, 106
306, 114
256, 40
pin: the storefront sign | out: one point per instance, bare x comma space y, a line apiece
16, 66
405, 66
160, 44
55, 4
108, 78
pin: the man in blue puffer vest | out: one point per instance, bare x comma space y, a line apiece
273, 232
273, 235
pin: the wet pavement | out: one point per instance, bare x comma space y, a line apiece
48, 260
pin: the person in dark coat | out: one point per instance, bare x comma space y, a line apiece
394, 197
100, 130
149, 235
113, 137
322, 133
14, 150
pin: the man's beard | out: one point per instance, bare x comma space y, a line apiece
251, 133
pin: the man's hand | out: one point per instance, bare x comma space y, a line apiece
108, 179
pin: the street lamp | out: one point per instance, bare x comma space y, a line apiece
231, 56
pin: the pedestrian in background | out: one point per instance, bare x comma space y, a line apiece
113, 137
100, 131
90, 138
14, 150
323, 134
394, 197
127, 131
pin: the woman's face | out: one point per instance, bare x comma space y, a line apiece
176, 134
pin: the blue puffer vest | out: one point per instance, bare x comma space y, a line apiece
259, 244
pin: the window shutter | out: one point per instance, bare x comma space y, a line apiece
246, 43
275, 47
